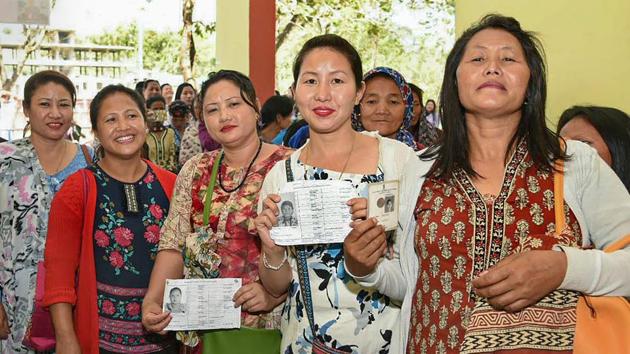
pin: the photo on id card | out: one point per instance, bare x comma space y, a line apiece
383, 203
288, 213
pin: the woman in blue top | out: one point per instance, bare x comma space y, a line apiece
31, 171
276, 116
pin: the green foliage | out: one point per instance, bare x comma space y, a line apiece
161, 49
411, 36
125, 35
205, 44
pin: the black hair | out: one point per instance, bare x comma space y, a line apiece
415, 129
153, 99
140, 87
286, 202
417, 90
336, 43
147, 82
292, 129
282, 105
435, 106
197, 100
179, 105
452, 150
244, 84
44, 77
164, 85
180, 89
614, 127
97, 102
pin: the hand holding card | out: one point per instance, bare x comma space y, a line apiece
313, 212
364, 246
383, 203
198, 304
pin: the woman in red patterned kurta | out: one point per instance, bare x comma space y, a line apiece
483, 267
228, 246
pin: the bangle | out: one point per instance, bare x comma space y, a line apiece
272, 267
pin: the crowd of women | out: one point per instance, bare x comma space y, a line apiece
479, 262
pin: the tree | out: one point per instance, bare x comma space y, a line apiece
374, 28
194, 32
171, 52
187, 49
33, 38
160, 48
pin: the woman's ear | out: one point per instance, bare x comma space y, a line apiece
360, 92
26, 110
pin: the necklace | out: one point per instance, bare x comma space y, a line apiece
63, 156
53, 181
246, 172
354, 139
343, 170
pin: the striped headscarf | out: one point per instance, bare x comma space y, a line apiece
403, 134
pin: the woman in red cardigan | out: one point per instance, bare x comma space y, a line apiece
103, 235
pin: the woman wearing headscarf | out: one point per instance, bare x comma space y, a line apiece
386, 106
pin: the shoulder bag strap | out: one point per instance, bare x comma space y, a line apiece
558, 195
207, 204
558, 191
86, 154
302, 264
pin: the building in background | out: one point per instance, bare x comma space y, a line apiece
90, 67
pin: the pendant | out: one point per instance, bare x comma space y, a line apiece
132, 200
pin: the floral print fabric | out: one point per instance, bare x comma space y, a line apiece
459, 235
125, 246
195, 140
229, 245
190, 144
26, 192
348, 317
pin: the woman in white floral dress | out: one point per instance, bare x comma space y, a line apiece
344, 316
